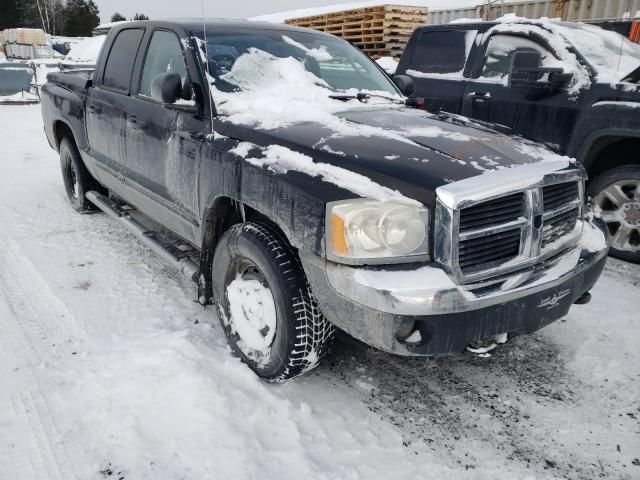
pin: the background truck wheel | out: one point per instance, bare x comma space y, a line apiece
77, 180
265, 305
616, 196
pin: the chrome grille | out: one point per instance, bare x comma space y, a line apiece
562, 209
489, 238
494, 212
480, 245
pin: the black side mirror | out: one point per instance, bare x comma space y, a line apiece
405, 84
525, 68
167, 87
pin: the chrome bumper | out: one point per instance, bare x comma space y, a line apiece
428, 290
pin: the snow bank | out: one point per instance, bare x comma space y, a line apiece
86, 51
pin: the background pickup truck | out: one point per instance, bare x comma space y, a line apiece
282, 170
571, 86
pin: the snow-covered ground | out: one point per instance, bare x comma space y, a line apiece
110, 369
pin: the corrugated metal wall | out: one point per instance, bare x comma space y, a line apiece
566, 9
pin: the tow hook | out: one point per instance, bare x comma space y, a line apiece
584, 299
484, 346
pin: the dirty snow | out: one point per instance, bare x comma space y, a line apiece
111, 370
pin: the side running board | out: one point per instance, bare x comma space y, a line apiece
167, 251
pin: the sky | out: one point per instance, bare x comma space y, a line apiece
214, 8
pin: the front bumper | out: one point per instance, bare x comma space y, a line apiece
371, 304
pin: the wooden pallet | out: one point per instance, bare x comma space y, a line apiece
380, 31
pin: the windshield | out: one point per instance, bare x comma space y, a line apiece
335, 62
611, 54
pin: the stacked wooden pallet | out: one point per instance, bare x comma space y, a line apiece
380, 31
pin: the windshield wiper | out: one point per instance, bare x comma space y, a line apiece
363, 97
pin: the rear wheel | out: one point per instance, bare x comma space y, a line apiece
265, 305
77, 180
616, 195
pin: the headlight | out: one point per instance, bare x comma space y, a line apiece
373, 231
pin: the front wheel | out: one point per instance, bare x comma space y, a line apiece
265, 305
616, 195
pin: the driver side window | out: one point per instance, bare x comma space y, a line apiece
163, 56
500, 52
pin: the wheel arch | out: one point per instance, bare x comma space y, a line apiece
608, 149
222, 213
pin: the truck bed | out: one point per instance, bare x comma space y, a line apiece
77, 81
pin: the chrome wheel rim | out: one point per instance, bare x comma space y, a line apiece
618, 205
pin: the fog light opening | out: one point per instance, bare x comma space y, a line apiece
406, 330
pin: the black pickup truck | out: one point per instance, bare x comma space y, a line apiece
312, 196
572, 86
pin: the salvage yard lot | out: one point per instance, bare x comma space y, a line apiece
110, 369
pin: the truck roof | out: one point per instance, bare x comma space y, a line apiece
483, 26
195, 24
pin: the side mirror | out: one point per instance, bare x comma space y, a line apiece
167, 87
525, 68
527, 72
405, 84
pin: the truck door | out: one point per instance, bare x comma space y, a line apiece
548, 118
436, 60
163, 141
106, 103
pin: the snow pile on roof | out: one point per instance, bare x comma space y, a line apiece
107, 26
388, 64
87, 51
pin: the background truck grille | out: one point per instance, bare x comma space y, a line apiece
491, 247
560, 221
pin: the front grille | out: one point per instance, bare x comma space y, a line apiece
500, 235
479, 251
495, 247
494, 212
554, 198
557, 227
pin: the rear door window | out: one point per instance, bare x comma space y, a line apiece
444, 51
122, 57
163, 56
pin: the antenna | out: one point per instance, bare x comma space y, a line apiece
206, 66
622, 38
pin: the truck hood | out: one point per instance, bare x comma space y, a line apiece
405, 149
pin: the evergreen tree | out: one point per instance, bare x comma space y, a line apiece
140, 16
81, 17
117, 17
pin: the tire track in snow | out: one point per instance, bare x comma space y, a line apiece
36, 330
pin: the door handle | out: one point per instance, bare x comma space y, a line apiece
479, 96
94, 109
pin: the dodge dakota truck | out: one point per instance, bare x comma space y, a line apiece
286, 174
573, 86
